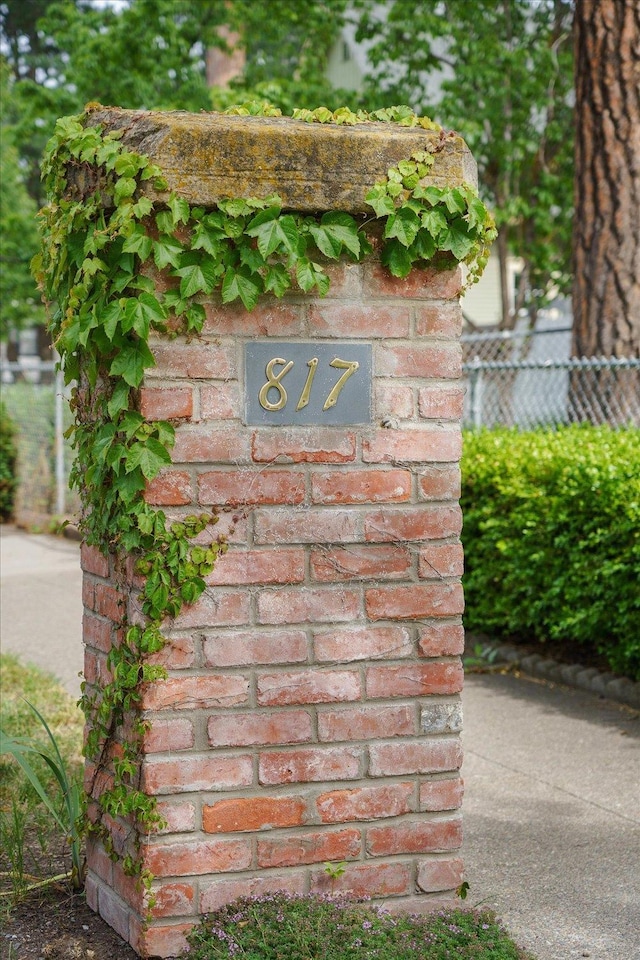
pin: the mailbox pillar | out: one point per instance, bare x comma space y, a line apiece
311, 712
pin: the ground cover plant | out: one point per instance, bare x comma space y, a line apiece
283, 927
8, 455
552, 538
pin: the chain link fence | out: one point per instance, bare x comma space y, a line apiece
36, 400
528, 380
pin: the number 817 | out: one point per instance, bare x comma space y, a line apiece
274, 382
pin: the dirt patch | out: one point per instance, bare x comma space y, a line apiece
58, 925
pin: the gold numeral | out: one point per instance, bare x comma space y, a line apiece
273, 383
349, 368
306, 390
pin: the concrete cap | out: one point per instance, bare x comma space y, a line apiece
207, 157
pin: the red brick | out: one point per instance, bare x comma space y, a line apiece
197, 361
88, 593
96, 633
321, 525
358, 320
163, 941
179, 817
414, 679
293, 850
441, 560
259, 566
95, 669
441, 403
362, 643
97, 859
259, 727
427, 284
308, 686
253, 813
365, 803
92, 560
260, 646
216, 608
345, 279
360, 562
437, 875
438, 795
110, 602
422, 522
236, 487
415, 445
169, 735
190, 774
222, 892
366, 723
309, 765
393, 399
418, 836
400, 758
361, 486
439, 320
113, 911
174, 900
308, 605
166, 403
177, 654
171, 488
303, 445
419, 359
441, 640
414, 602
374, 880
440, 482
196, 692
210, 444
269, 318
220, 401
192, 859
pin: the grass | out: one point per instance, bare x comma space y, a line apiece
33, 846
282, 927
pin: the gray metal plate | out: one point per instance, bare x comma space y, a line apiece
308, 381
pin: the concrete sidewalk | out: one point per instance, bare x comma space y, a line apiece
552, 806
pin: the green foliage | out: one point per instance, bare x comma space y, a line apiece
67, 816
8, 456
552, 538
501, 74
296, 927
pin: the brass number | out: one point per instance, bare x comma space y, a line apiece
273, 382
306, 390
349, 368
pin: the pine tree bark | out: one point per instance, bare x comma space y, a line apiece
606, 245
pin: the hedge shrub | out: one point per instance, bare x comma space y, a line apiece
552, 538
8, 455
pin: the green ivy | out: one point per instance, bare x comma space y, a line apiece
101, 237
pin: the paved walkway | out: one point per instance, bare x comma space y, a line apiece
552, 807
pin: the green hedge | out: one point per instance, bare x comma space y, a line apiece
8, 455
552, 538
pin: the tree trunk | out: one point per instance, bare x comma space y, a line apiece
606, 244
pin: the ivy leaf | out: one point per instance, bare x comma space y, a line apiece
196, 316
125, 187
277, 279
208, 239
252, 258
404, 225
180, 210
140, 313
454, 201
457, 239
334, 232
235, 208
142, 207
273, 231
149, 455
167, 251
396, 258
379, 199
131, 362
129, 485
198, 274
310, 274
138, 242
241, 284
102, 440
119, 399
423, 247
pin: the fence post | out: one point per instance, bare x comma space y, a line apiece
476, 384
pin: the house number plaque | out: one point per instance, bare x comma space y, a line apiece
291, 382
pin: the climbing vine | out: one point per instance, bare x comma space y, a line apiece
104, 242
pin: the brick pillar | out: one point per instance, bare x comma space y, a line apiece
312, 708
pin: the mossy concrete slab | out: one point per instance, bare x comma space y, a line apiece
208, 157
